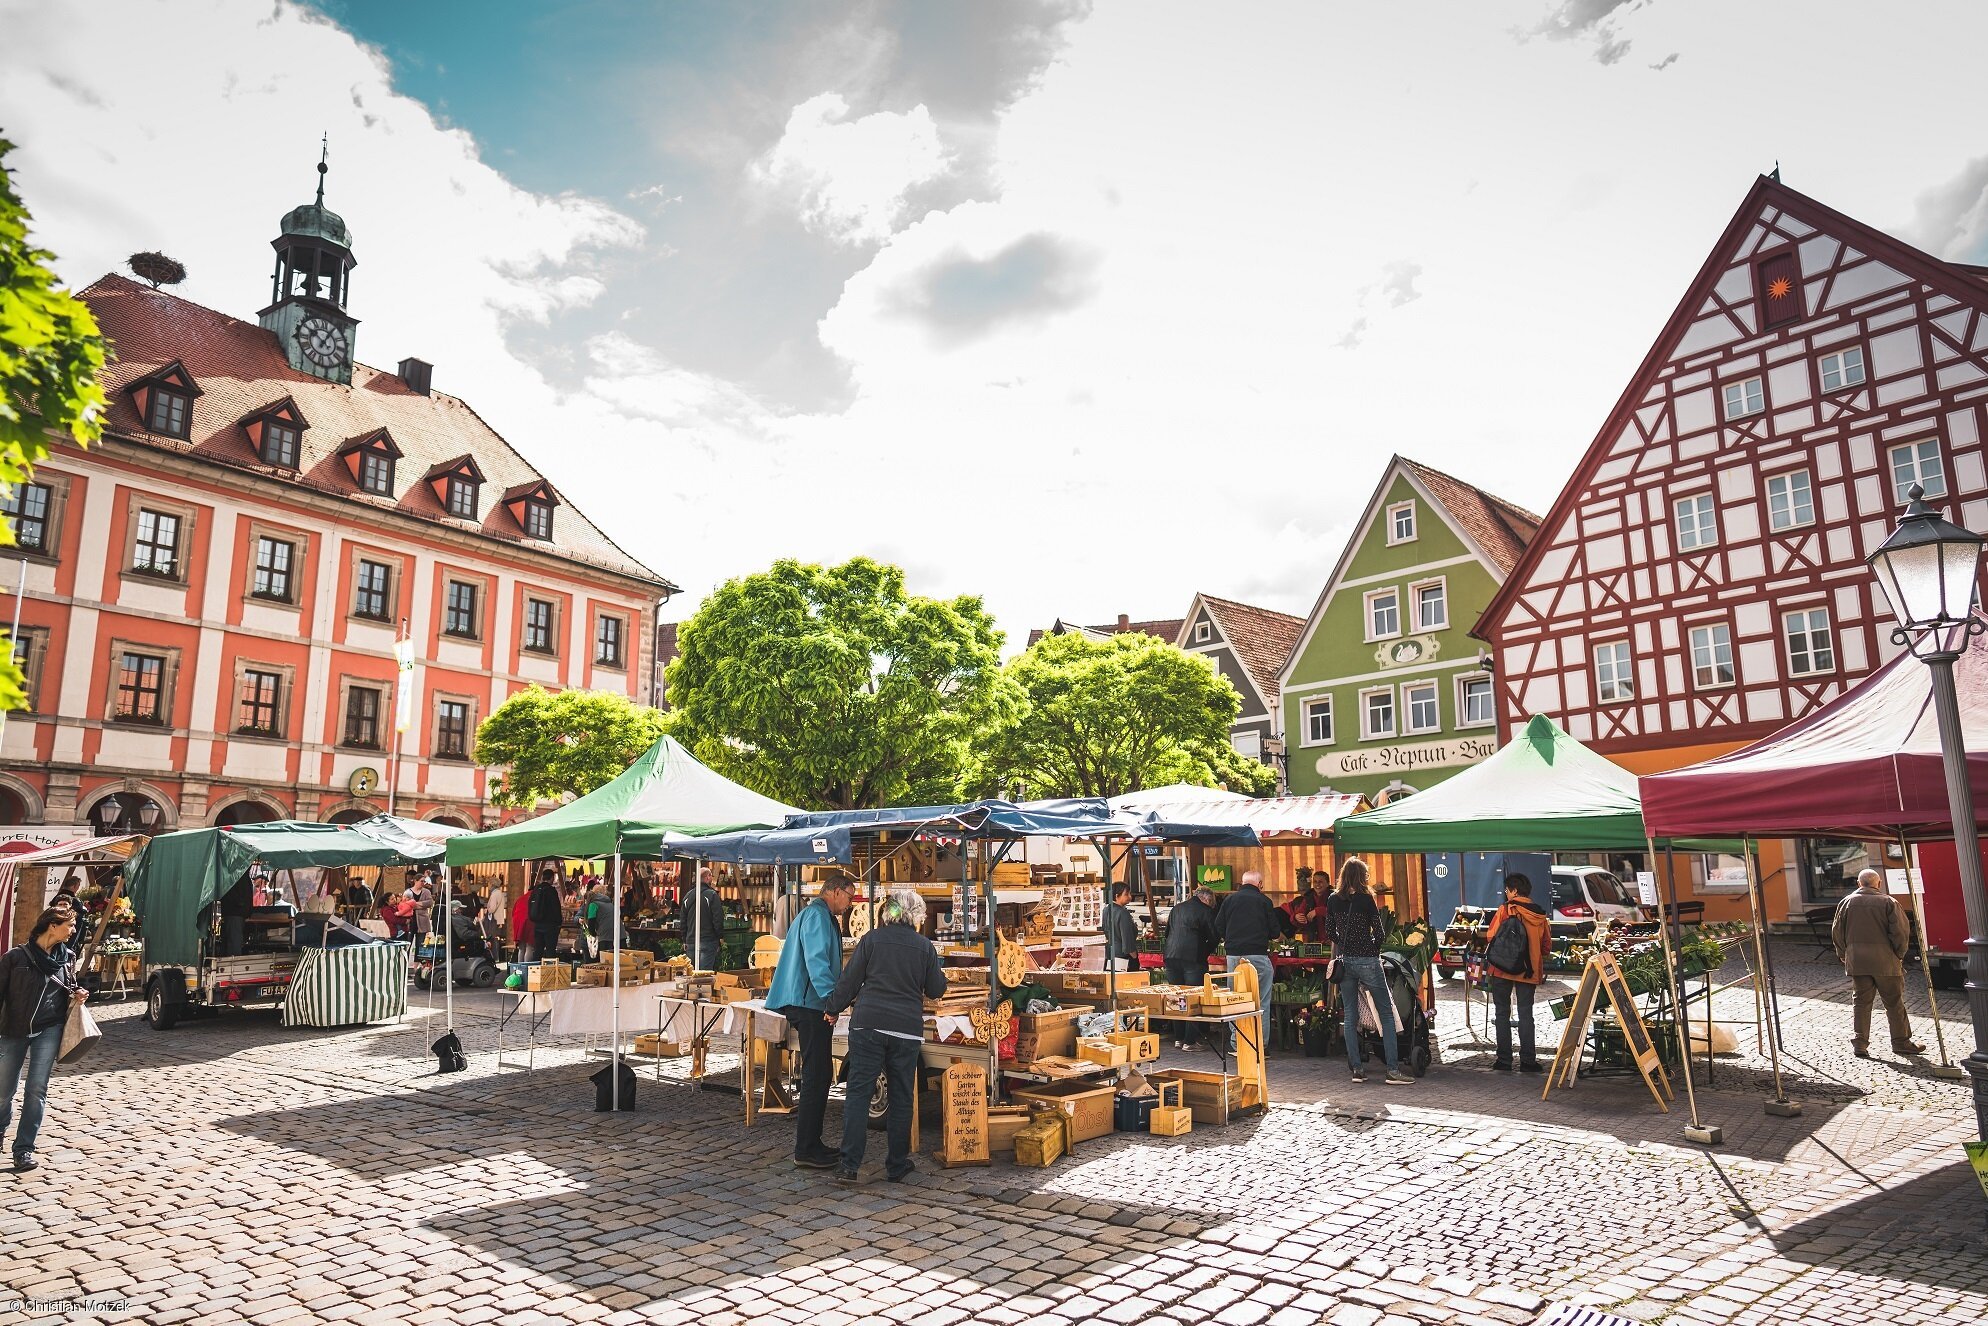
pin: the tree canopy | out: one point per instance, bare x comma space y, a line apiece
51, 356
1105, 717
568, 743
834, 687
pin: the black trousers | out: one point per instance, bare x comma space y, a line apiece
817, 1036
1182, 972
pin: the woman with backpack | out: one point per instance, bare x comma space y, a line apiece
1515, 963
1357, 935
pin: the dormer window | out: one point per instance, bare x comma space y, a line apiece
457, 484
462, 498
371, 460
538, 520
276, 433
165, 400
531, 504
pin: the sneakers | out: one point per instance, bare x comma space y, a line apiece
821, 1159
25, 1162
1397, 1078
845, 1176
1359, 1075
1532, 1066
1501, 1065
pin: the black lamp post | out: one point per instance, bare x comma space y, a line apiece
1928, 570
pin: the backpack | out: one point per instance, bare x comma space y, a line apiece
1511, 947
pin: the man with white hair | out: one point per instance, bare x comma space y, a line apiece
893, 971
1871, 940
1247, 923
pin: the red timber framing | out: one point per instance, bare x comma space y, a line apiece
1719, 522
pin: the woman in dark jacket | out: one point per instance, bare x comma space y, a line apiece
36, 988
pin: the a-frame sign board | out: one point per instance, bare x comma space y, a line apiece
1603, 973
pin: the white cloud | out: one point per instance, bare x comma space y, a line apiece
848, 178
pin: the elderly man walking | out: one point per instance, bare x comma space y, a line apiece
1871, 941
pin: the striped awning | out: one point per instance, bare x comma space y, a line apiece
340, 987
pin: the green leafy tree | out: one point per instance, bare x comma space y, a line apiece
834, 687
1105, 717
51, 356
570, 742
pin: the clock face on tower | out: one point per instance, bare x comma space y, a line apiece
322, 341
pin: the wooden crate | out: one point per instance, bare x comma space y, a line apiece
1210, 1097
548, 976
1088, 1107
1003, 1122
1141, 1047
1043, 1139
1169, 1118
653, 1046
1103, 1051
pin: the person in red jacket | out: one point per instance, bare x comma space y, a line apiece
1518, 982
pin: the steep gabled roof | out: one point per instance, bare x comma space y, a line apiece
241, 368
1167, 630
1495, 530
1261, 638
1962, 282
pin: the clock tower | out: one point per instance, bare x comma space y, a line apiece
307, 298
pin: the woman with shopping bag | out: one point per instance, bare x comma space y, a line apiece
37, 993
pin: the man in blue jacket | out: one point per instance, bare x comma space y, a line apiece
810, 965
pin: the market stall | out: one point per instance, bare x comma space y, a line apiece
31, 874
178, 884
1545, 791
1866, 766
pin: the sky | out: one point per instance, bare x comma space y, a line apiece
1079, 307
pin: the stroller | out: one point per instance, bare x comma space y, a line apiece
471, 963
1413, 1025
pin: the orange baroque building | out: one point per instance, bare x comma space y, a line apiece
214, 591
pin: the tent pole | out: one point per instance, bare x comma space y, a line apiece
614, 1056
1780, 1105
1947, 1066
1698, 1130
448, 956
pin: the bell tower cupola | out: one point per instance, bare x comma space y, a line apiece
308, 293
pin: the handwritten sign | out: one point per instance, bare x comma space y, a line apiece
963, 1108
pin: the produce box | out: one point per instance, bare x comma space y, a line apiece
1209, 1097
1140, 1046
653, 1046
1089, 1107
591, 977
1102, 1050
1169, 1118
1043, 1035
1003, 1122
548, 976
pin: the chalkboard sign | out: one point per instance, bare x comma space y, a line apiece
963, 1110
1604, 973
1567, 1059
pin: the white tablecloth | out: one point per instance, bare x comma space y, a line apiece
590, 1011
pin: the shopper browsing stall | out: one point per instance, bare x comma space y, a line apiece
1248, 922
1121, 932
1191, 938
810, 965
1515, 963
890, 975
1359, 933
703, 924
546, 914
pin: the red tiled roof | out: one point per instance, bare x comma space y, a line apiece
1262, 639
1165, 630
240, 369
1501, 528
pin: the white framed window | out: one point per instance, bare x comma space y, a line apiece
1615, 677
1318, 721
1401, 523
1419, 699
1474, 706
1697, 521
1917, 462
1744, 398
1712, 655
1811, 647
1383, 613
1432, 605
1377, 713
1843, 369
1790, 500
1203, 632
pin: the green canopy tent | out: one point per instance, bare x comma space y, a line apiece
666, 791
176, 874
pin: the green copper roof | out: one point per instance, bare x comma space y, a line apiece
318, 222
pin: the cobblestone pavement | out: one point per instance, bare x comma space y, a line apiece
232, 1171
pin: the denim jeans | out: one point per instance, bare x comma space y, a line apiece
1265, 974
897, 1059
1502, 991
38, 1053
1356, 974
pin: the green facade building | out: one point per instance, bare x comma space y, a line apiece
1385, 692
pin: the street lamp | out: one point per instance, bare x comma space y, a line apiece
1928, 570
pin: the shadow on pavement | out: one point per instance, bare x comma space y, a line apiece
1932, 1230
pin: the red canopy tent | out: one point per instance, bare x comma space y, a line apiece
1866, 765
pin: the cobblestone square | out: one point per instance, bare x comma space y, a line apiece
233, 1171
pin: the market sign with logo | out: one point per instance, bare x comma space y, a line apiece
1406, 759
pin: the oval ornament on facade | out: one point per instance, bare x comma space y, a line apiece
364, 779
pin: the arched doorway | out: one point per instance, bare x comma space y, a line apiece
349, 815
12, 809
449, 821
128, 812
246, 811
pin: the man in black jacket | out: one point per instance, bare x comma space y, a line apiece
703, 923
1248, 922
1191, 938
542, 909
893, 971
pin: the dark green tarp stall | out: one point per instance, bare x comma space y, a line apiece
665, 791
176, 874
1542, 792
